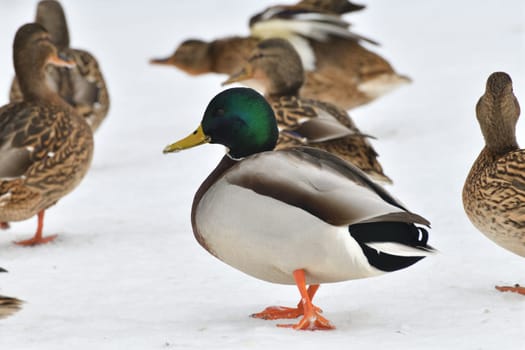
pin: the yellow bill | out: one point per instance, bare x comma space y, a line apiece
195, 139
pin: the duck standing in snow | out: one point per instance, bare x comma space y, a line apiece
293, 216
494, 191
82, 86
45, 147
338, 68
8, 305
276, 67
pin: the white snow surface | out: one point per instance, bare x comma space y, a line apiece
126, 272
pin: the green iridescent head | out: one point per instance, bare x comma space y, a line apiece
238, 118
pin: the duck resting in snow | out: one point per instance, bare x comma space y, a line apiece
293, 216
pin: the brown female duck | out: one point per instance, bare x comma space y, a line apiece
82, 86
45, 147
338, 68
8, 305
494, 191
302, 121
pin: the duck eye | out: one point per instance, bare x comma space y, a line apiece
219, 112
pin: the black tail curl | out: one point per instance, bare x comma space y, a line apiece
394, 232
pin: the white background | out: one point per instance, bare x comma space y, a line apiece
126, 272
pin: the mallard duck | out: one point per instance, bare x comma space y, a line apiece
8, 305
83, 85
45, 147
293, 216
338, 68
276, 66
223, 56
494, 191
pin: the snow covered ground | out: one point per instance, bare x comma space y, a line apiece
126, 272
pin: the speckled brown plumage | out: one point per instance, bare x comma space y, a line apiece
276, 65
354, 148
45, 147
494, 191
53, 149
82, 86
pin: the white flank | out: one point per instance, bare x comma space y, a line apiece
269, 239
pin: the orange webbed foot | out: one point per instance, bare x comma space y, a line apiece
4, 225
515, 289
281, 312
311, 321
36, 241
278, 312
37, 238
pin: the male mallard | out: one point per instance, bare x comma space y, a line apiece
494, 192
45, 148
298, 215
82, 86
8, 305
338, 68
302, 121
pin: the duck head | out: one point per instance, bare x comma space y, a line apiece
238, 118
274, 64
192, 56
50, 14
497, 112
32, 51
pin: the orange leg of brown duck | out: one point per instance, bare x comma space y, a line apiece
4, 225
37, 238
516, 289
311, 320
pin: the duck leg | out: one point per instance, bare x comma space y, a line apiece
515, 289
37, 238
279, 312
4, 225
311, 320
